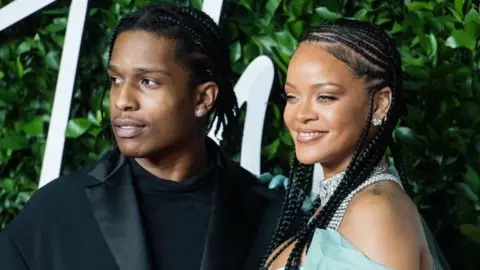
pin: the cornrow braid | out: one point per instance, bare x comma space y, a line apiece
199, 45
371, 56
292, 204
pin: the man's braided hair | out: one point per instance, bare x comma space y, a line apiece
199, 45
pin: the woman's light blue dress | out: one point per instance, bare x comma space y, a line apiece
329, 250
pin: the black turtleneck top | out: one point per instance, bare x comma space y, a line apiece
176, 216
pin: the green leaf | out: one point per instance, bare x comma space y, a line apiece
416, 72
56, 26
465, 190
197, 4
34, 127
58, 39
406, 134
13, 142
92, 12
396, 28
462, 38
52, 60
2, 75
271, 8
455, 14
288, 43
417, 6
472, 179
235, 51
296, 8
58, 11
93, 120
361, 15
459, 6
324, 13
271, 150
286, 138
297, 28
25, 46
250, 51
124, 2
380, 21
4, 53
433, 45
472, 232
95, 131
452, 42
76, 127
8, 185
472, 16
20, 70
276, 112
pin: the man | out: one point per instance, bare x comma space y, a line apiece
167, 197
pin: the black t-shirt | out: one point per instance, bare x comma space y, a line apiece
176, 217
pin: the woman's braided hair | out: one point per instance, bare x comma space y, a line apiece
372, 56
199, 44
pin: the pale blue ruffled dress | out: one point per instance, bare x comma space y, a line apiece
330, 250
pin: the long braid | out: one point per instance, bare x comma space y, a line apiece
368, 52
201, 47
291, 206
281, 222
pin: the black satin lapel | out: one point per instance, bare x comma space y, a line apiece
233, 224
224, 243
115, 206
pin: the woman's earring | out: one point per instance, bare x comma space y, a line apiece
199, 113
376, 122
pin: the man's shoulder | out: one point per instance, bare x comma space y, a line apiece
252, 183
56, 200
63, 185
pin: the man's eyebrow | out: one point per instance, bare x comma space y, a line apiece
142, 70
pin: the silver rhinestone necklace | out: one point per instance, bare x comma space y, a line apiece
328, 186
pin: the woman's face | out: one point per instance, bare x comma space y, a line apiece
326, 107
152, 108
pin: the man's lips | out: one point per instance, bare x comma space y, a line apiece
127, 128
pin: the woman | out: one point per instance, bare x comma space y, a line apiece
343, 93
167, 197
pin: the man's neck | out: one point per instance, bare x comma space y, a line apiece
179, 164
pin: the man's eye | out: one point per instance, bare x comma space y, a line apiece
149, 82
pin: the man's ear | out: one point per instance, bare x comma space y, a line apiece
206, 95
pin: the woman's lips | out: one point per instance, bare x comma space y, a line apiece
307, 136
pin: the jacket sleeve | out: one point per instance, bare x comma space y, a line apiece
10, 255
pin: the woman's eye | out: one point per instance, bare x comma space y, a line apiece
289, 97
326, 98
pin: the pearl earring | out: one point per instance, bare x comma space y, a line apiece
199, 113
376, 122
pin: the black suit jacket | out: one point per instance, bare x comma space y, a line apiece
90, 220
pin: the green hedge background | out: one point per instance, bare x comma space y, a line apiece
440, 135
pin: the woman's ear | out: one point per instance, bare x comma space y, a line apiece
381, 104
